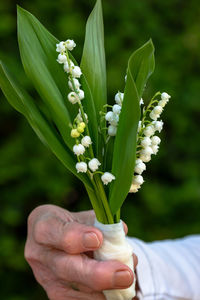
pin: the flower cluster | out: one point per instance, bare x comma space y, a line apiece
112, 117
87, 163
147, 141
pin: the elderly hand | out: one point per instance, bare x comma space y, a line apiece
58, 249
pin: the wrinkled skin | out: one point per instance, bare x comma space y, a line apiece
59, 250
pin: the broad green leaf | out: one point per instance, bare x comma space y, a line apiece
125, 146
93, 61
39, 64
23, 103
140, 67
38, 53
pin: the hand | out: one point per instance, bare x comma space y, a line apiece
58, 249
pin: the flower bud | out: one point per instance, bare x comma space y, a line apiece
116, 109
81, 167
78, 149
75, 133
94, 164
81, 127
107, 178
76, 71
86, 141
70, 44
155, 140
112, 130
146, 141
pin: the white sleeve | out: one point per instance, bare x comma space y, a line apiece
169, 269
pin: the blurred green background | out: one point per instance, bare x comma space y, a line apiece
168, 205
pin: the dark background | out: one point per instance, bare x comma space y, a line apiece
168, 205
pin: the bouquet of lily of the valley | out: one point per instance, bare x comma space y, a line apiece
105, 146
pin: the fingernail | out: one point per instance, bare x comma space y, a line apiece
90, 240
122, 279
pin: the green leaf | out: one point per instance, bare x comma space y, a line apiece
37, 49
140, 67
23, 103
93, 61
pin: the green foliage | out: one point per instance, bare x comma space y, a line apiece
168, 204
140, 67
93, 58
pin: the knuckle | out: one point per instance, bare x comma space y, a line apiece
99, 279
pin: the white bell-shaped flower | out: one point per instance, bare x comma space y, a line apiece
149, 130
62, 58
134, 188
76, 83
73, 98
60, 47
94, 164
81, 167
109, 116
86, 141
116, 109
78, 149
155, 149
138, 179
165, 96
146, 151
107, 178
81, 94
76, 72
146, 141
155, 140
115, 119
158, 125
70, 44
145, 158
139, 167
112, 130
119, 98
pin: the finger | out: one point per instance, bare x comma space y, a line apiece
85, 217
57, 291
96, 275
70, 237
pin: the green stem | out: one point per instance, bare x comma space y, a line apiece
103, 198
